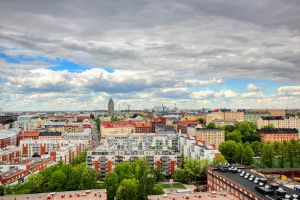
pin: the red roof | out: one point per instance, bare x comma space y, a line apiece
30, 134
188, 122
125, 124
157, 119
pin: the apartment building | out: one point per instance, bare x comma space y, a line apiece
9, 137
104, 161
17, 174
209, 137
252, 116
278, 135
50, 136
10, 154
190, 148
28, 122
279, 122
161, 150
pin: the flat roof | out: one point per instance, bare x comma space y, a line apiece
194, 196
79, 195
250, 185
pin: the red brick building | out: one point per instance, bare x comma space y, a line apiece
29, 135
278, 135
155, 121
182, 126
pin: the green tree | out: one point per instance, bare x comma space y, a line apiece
88, 179
239, 153
181, 175
269, 126
219, 159
111, 183
98, 122
158, 190
81, 158
201, 120
128, 190
248, 155
292, 150
124, 171
146, 184
92, 116
211, 125
35, 181
228, 150
267, 154
235, 136
280, 151
2, 189
256, 147
57, 181
158, 174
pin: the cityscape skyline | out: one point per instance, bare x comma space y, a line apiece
64, 57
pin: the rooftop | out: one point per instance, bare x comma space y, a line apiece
278, 130
78, 195
29, 134
50, 133
245, 181
194, 196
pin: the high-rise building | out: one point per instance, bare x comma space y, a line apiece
111, 106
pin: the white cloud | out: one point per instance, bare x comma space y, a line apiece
289, 90
252, 87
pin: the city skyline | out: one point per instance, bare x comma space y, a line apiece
215, 54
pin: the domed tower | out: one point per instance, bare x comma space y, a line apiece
111, 109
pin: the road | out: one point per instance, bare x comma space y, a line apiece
95, 134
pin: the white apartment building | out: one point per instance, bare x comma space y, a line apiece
28, 122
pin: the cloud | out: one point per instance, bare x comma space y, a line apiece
184, 51
289, 90
252, 87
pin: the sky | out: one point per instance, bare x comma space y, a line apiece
75, 55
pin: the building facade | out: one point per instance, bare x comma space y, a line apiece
278, 135
279, 122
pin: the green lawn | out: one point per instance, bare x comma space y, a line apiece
175, 185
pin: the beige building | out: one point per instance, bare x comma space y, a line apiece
211, 137
279, 122
226, 116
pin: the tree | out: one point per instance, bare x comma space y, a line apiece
158, 190
146, 184
248, 155
92, 116
269, 126
81, 158
239, 153
124, 171
228, 150
128, 190
98, 121
88, 178
235, 136
211, 125
201, 120
158, 174
111, 183
281, 151
292, 149
57, 181
35, 182
181, 175
2, 189
267, 154
219, 159
256, 147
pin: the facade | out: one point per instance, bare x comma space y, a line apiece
50, 136
279, 122
183, 126
209, 137
104, 161
251, 116
29, 135
244, 184
28, 123
55, 126
17, 174
220, 195
73, 128
124, 128
111, 108
278, 135
9, 137
10, 154
160, 149
190, 148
